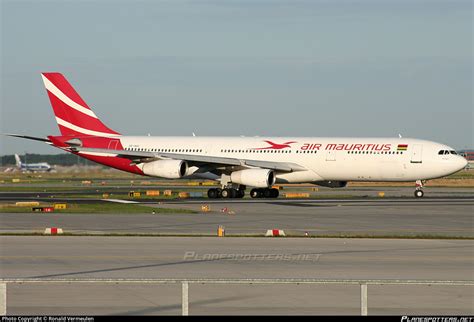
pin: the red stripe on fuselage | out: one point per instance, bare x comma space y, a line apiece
99, 143
114, 162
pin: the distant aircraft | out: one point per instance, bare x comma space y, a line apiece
32, 167
239, 162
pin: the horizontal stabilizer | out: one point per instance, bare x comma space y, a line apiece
47, 141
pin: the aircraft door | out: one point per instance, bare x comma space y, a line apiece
330, 155
416, 153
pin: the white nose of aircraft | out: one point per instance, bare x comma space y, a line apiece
459, 163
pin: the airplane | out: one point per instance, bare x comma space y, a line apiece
241, 162
32, 167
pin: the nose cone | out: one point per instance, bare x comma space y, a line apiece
460, 163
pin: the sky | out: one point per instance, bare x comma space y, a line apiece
354, 68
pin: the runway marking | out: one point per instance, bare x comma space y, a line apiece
467, 201
119, 200
288, 202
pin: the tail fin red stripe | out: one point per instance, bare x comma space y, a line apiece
64, 130
61, 83
71, 129
72, 113
66, 113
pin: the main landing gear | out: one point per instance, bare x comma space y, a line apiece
216, 193
419, 189
264, 193
231, 189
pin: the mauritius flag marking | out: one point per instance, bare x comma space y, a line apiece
402, 147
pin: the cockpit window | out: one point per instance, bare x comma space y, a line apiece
445, 152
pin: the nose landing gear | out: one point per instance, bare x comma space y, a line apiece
419, 193
419, 189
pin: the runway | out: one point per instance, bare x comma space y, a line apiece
451, 217
175, 257
38, 193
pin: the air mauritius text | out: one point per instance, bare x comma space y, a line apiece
347, 147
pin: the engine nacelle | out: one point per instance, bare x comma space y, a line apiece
169, 169
259, 178
331, 184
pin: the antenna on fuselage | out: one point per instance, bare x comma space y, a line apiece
399, 135
194, 134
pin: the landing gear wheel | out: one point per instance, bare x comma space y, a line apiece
240, 193
419, 193
268, 193
275, 193
212, 194
271, 193
226, 193
264, 193
255, 193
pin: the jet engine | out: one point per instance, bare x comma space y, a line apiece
259, 178
169, 169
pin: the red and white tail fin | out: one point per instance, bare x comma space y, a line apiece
73, 115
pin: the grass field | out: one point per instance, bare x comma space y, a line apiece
97, 208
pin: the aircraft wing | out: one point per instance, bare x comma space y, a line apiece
142, 157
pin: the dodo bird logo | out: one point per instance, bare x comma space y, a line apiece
276, 146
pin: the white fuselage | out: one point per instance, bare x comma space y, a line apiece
35, 167
343, 159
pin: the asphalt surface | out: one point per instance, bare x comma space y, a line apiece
364, 217
442, 213
175, 257
41, 193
